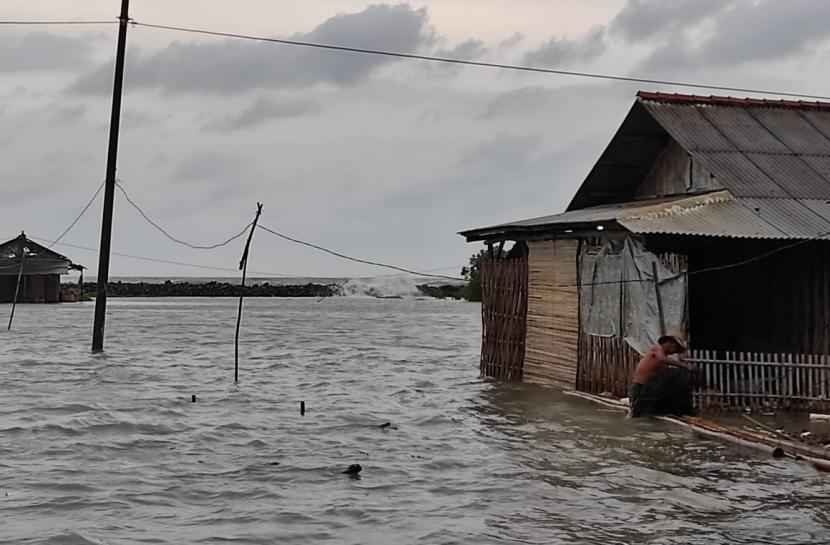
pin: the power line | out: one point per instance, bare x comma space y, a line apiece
432, 58
169, 262
57, 23
350, 258
78, 218
171, 237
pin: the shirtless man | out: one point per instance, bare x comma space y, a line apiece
656, 360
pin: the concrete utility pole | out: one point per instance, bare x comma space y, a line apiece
109, 187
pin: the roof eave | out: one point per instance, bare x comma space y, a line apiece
521, 233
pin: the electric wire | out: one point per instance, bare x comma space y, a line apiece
171, 237
169, 262
57, 23
355, 259
482, 64
715, 268
78, 218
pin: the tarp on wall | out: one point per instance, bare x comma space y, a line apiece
619, 294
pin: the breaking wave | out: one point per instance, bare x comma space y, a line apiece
382, 287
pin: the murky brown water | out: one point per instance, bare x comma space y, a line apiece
110, 449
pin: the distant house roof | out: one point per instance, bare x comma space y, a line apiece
36, 258
772, 157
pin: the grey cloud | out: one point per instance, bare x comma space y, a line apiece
524, 100
558, 50
205, 165
643, 19
766, 30
502, 152
261, 111
728, 33
43, 51
137, 119
468, 50
65, 114
233, 65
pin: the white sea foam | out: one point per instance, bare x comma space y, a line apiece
382, 286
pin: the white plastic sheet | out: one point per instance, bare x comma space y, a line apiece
619, 294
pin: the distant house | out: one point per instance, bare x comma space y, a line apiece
709, 215
38, 269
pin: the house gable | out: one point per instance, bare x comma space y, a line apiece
753, 148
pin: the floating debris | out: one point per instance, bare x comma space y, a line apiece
353, 469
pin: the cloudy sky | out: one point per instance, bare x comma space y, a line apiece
379, 158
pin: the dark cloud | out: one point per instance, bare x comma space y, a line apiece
640, 20
261, 111
718, 33
43, 51
765, 30
559, 50
233, 65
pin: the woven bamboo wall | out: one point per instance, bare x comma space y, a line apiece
552, 314
503, 315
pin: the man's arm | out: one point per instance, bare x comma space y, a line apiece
673, 361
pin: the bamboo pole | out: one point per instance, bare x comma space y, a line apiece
243, 266
17, 287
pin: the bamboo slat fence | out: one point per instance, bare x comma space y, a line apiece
503, 317
762, 381
606, 364
729, 381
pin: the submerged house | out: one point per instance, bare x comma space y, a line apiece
35, 268
709, 215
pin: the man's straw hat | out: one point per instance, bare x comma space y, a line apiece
676, 336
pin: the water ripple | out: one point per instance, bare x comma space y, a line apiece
110, 449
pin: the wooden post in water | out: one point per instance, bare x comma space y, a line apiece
243, 266
19, 277
109, 184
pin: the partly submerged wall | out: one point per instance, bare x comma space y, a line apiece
552, 313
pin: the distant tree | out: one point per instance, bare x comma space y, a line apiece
472, 274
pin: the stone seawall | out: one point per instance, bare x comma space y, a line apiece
226, 289
209, 289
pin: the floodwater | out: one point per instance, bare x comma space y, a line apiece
111, 450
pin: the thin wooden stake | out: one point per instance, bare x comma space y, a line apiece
243, 266
17, 288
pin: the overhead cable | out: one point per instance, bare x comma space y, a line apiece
168, 262
171, 237
350, 258
57, 23
78, 218
482, 64
715, 268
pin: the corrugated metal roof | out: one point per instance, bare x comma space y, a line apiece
794, 131
692, 130
573, 218
779, 149
717, 214
773, 157
737, 217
